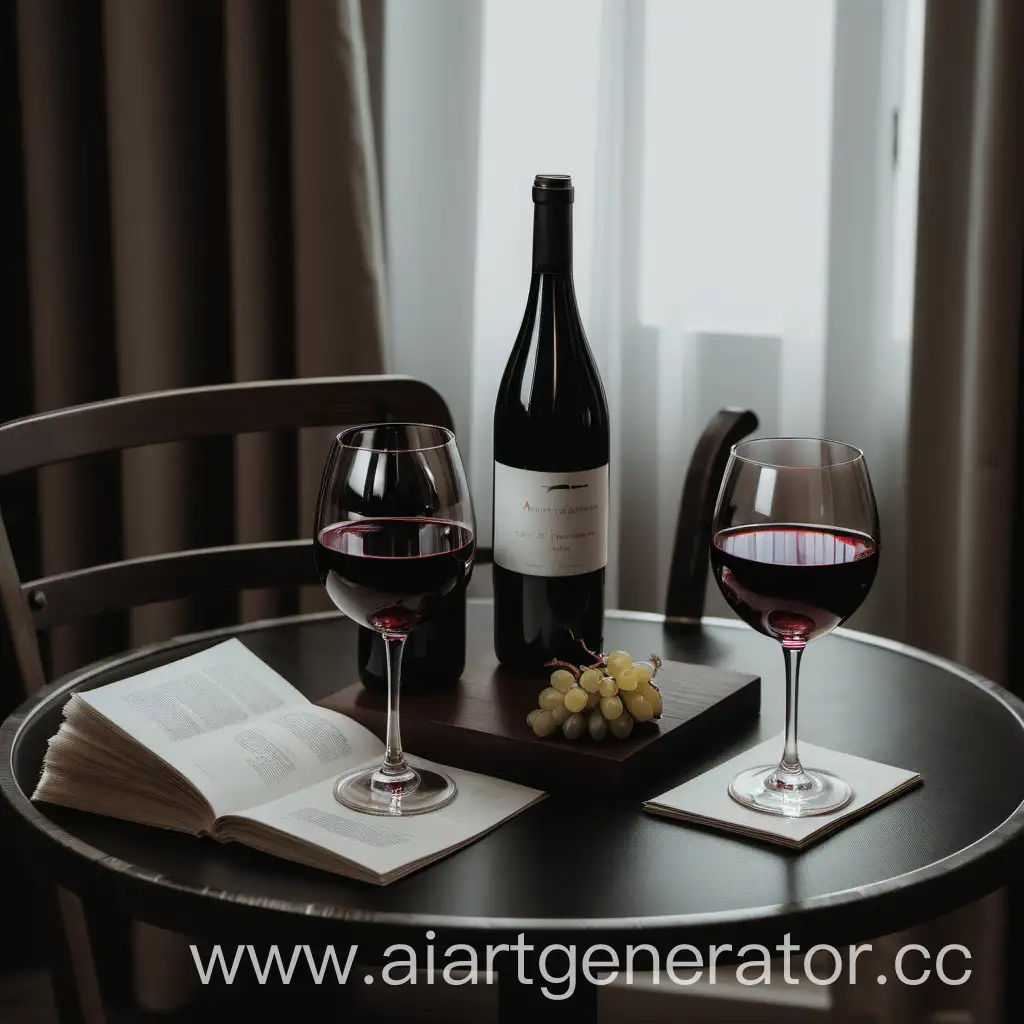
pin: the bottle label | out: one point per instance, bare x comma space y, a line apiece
550, 524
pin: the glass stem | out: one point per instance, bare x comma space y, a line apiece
394, 759
790, 772
790, 756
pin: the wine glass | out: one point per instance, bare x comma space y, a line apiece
794, 548
394, 541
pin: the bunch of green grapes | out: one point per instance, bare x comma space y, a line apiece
609, 695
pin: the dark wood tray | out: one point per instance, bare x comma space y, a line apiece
480, 724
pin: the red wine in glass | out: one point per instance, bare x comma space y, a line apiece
794, 583
393, 574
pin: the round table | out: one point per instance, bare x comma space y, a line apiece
584, 869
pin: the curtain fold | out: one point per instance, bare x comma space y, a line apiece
166, 119
70, 283
339, 252
966, 334
262, 275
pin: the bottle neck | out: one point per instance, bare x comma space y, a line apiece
552, 238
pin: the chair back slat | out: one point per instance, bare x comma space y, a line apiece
219, 409
115, 586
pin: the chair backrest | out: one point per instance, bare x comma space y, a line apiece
137, 420
688, 576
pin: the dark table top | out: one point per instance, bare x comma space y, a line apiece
571, 867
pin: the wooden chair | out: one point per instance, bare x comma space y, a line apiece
33, 607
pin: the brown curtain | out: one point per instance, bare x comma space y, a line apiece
961, 454
200, 205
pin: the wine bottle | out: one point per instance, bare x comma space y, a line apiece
550, 461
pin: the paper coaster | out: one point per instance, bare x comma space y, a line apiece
705, 799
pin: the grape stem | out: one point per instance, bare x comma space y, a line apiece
655, 662
600, 660
568, 666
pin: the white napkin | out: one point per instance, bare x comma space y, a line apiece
706, 801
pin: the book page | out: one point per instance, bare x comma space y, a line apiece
383, 848
277, 753
236, 729
222, 686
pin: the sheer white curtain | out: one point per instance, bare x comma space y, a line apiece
744, 227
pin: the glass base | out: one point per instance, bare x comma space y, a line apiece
373, 791
814, 791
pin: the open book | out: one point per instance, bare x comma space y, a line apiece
219, 744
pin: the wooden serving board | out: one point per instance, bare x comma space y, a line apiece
480, 724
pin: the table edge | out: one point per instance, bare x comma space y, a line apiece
997, 840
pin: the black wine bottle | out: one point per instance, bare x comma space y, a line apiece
550, 461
